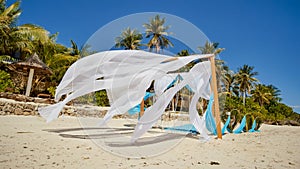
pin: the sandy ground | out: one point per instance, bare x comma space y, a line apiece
29, 142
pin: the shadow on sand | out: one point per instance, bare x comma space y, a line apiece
106, 133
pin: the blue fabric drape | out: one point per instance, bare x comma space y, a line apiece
137, 108
226, 125
253, 127
209, 119
241, 127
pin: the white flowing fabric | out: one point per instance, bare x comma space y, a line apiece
161, 84
198, 78
125, 74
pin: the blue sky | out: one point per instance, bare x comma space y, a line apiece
264, 34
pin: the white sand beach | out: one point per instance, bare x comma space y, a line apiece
30, 142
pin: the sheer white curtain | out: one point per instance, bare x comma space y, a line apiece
125, 74
198, 79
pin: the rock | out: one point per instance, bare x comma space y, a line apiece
20, 98
293, 123
29, 99
29, 106
18, 111
48, 101
38, 100
70, 111
27, 110
26, 113
8, 108
34, 113
214, 163
2, 103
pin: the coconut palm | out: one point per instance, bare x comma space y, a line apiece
230, 86
8, 16
29, 38
74, 50
183, 53
211, 48
261, 94
157, 32
245, 79
274, 92
24, 40
129, 39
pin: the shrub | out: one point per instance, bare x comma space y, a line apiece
5, 81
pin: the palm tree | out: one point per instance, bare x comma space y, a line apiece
187, 67
274, 92
211, 48
157, 32
183, 52
85, 50
22, 41
129, 39
245, 79
230, 86
261, 94
75, 50
8, 16
29, 38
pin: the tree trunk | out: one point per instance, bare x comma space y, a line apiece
244, 98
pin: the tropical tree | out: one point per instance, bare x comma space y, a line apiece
31, 39
211, 48
186, 68
261, 94
274, 92
229, 81
75, 50
183, 52
245, 79
157, 32
24, 40
129, 39
8, 16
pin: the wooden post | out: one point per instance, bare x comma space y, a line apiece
142, 108
216, 96
173, 105
29, 82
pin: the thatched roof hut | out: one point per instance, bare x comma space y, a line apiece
32, 65
33, 62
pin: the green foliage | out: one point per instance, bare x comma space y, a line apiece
75, 50
157, 32
5, 81
245, 79
279, 111
7, 59
129, 39
188, 67
263, 101
211, 48
101, 98
51, 90
59, 64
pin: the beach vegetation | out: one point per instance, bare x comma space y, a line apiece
157, 33
244, 93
